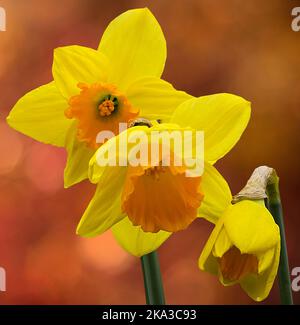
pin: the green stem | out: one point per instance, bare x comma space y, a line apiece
274, 206
152, 279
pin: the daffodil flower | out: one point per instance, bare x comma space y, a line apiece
95, 90
145, 204
244, 246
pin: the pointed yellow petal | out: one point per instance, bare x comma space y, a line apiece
96, 168
135, 241
113, 145
222, 117
79, 155
74, 64
135, 45
222, 244
251, 227
156, 98
217, 195
40, 115
207, 262
265, 259
104, 209
259, 286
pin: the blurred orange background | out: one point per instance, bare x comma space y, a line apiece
247, 48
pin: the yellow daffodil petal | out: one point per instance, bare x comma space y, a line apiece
259, 286
79, 155
251, 227
222, 117
265, 259
135, 45
40, 115
217, 195
78, 64
96, 170
207, 262
156, 98
222, 244
135, 241
104, 209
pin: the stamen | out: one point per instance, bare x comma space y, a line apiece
106, 107
155, 171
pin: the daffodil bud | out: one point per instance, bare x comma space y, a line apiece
244, 246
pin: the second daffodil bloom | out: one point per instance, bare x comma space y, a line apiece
244, 246
95, 90
145, 204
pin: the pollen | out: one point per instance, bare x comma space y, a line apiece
106, 107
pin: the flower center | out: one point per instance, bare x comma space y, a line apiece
155, 171
99, 107
234, 265
106, 107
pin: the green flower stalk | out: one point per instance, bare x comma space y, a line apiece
152, 279
274, 206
